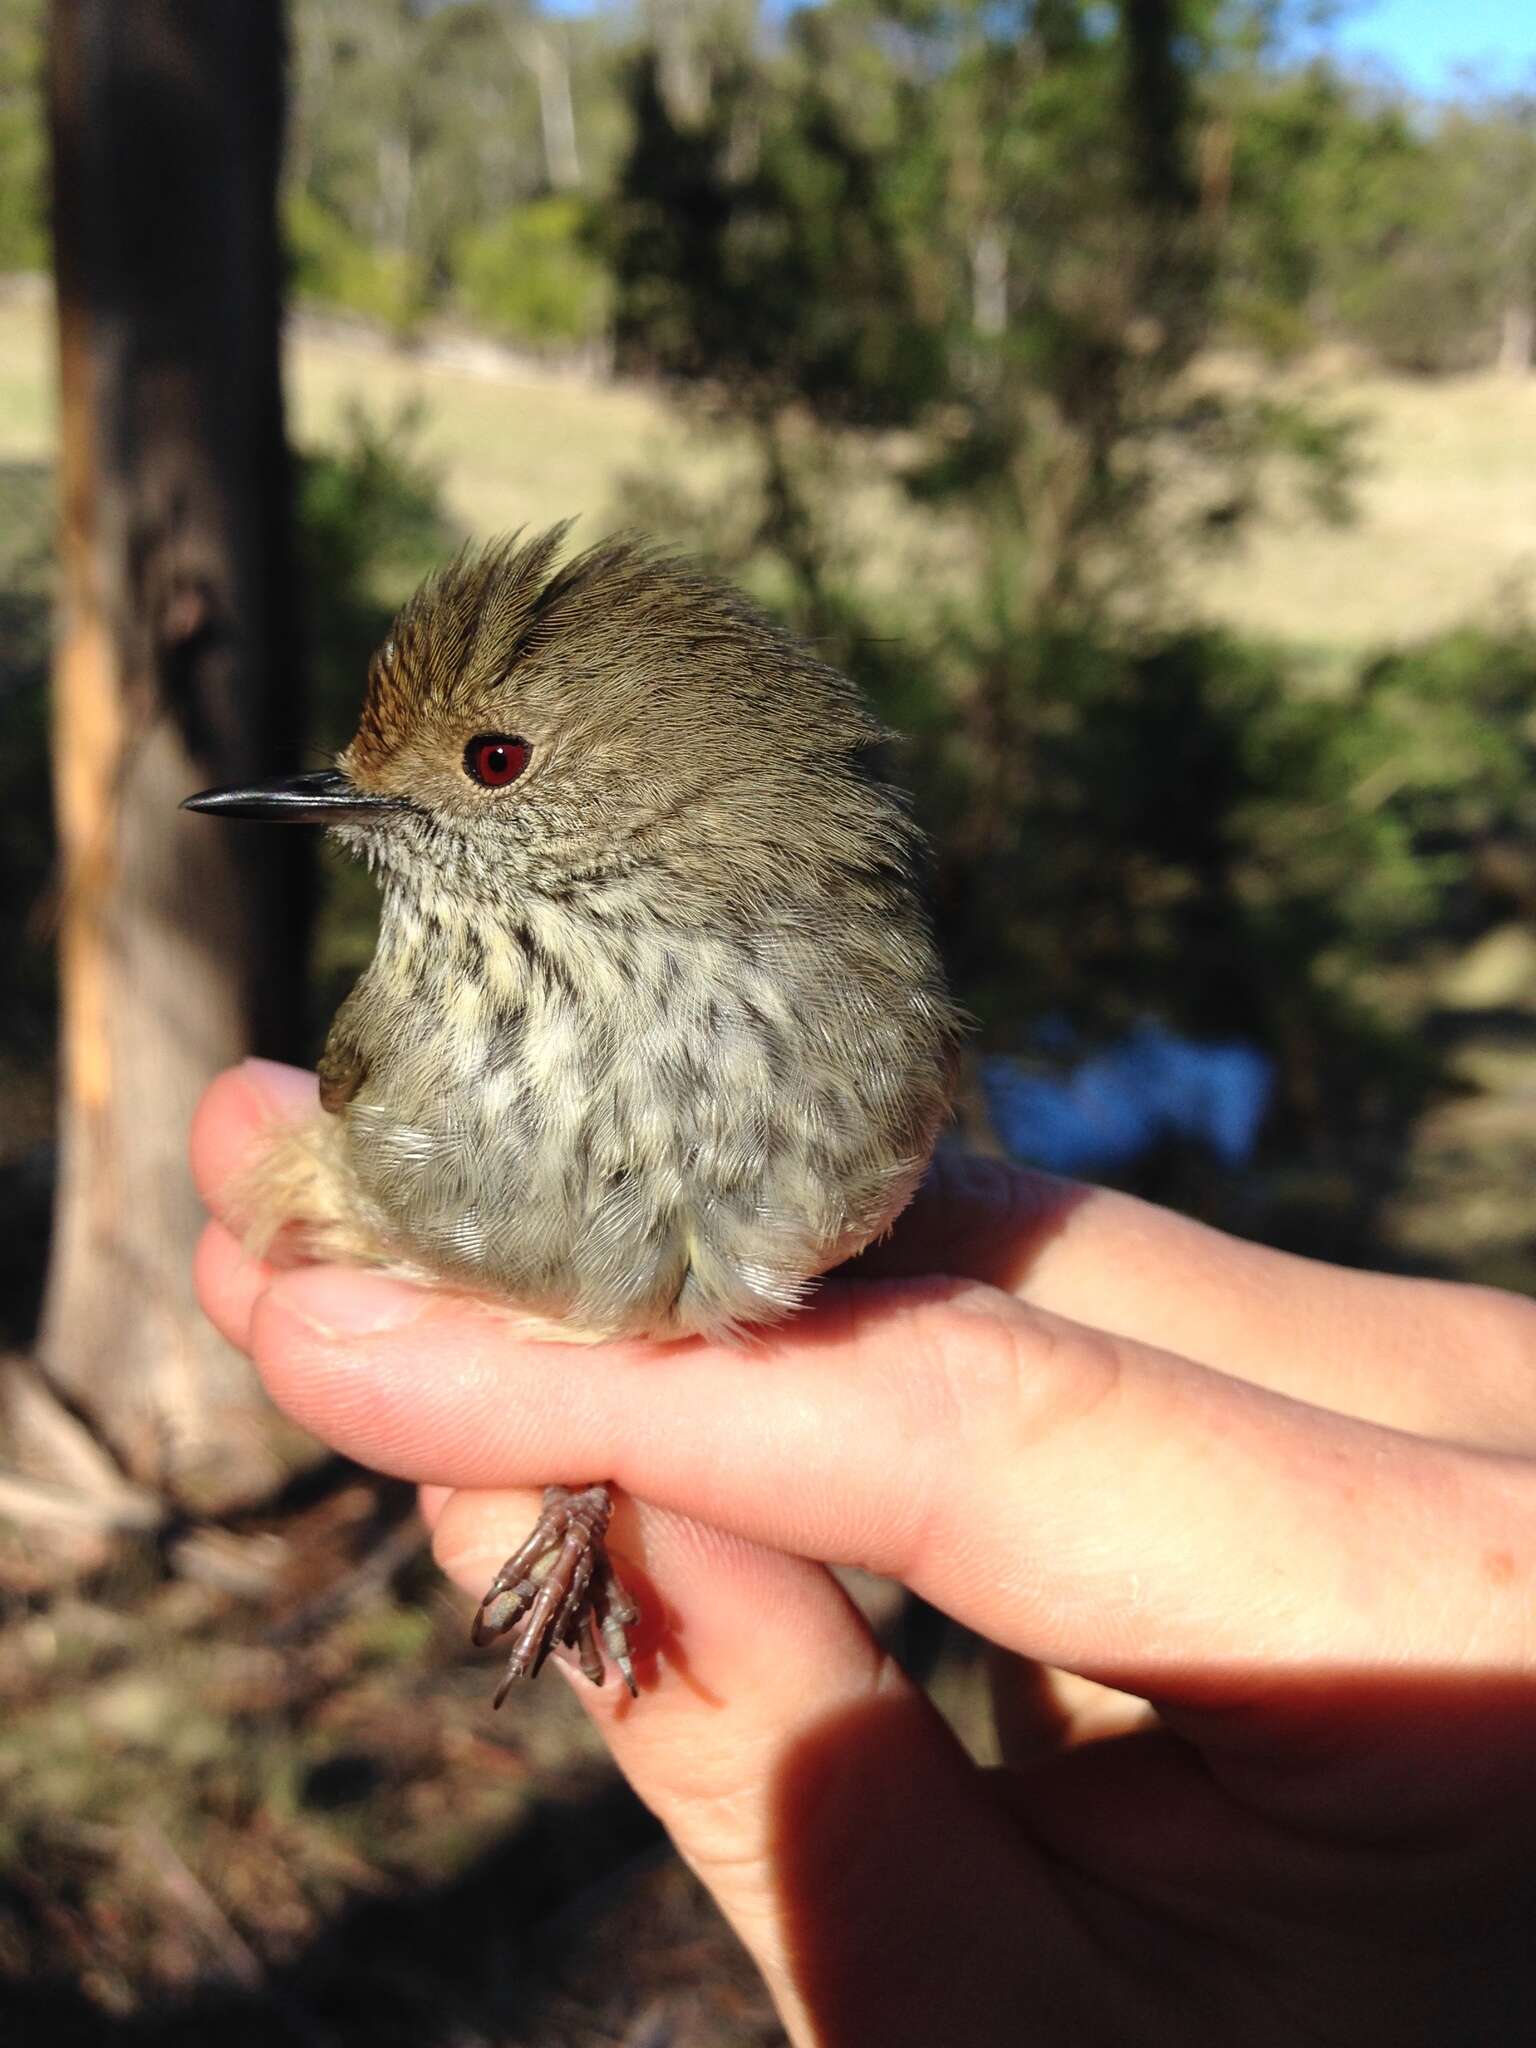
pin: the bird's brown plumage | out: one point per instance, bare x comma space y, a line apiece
655, 1031
657, 1034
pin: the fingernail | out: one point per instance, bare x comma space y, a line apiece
336, 1303
288, 1090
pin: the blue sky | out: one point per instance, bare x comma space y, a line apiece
1424, 41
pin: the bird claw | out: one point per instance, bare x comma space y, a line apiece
560, 1594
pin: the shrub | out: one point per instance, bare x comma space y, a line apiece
371, 524
330, 264
530, 274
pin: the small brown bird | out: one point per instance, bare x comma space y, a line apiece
655, 1031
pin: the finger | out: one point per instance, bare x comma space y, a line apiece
430, 1502
1427, 1356
1086, 1501
236, 1112
229, 1282
1038, 1712
799, 1773
1423, 1355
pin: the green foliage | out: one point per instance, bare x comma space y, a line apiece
1387, 274
1350, 213
418, 129
876, 145
332, 265
1461, 714
23, 166
989, 228
1181, 826
371, 525
985, 227
1176, 826
756, 244
1316, 180
530, 274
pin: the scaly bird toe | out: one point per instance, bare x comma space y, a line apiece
559, 1593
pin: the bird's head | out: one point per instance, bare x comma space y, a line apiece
527, 725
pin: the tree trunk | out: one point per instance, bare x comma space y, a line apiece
989, 281
682, 67
546, 57
175, 667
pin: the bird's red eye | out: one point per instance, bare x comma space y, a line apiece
494, 759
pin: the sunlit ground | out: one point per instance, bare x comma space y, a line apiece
1445, 530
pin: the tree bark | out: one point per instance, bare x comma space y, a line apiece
175, 667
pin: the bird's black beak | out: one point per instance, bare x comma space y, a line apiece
325, 798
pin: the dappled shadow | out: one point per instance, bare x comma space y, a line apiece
1506, 1024
572, 1924
292, 1817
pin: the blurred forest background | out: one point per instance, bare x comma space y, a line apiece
1145, 413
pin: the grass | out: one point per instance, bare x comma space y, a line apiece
1446, 526
522, 449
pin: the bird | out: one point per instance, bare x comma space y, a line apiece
656, 1031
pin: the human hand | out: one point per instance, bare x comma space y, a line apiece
1287, 1513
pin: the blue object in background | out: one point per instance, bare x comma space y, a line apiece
1119, 1104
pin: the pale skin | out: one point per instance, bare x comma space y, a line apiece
1293, 1506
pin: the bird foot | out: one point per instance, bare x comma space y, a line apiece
559, 1593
